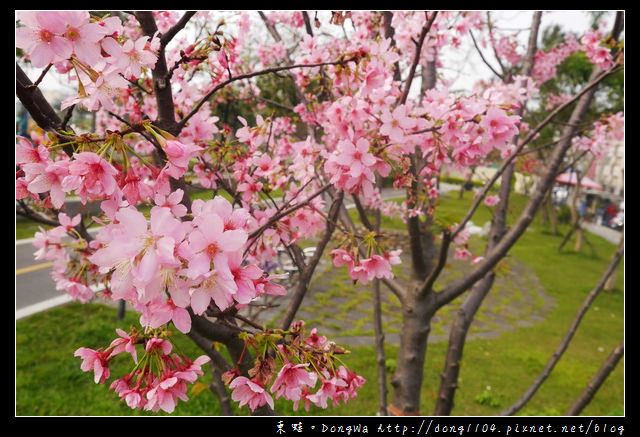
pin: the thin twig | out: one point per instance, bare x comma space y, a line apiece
165, 38
416, 57
42, 75
254, 74
482, 56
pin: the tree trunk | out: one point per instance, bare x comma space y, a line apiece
470, 306
553, 216
611, 282
379, 334
380, 355
218, 387
545, 216
594, 385
457, 339
579, 239
417, 313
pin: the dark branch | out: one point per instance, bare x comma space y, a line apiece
165, 38
483, 58
194, 111
416, 57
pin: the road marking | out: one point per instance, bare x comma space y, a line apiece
41, 306
33, 268
49, 303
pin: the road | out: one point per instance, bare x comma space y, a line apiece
35, 290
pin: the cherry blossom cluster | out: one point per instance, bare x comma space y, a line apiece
198, 262
366, 269
545, 63
290, 365
448, 28
87, 174
159, 378
598, 54
605, 133
95, 49
506, 48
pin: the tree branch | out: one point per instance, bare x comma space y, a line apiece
597, 380
167, 37
307, 23
162, 88
483, 58
218, 87
305, 275
427, 285
35, 103
286, 212
416, 57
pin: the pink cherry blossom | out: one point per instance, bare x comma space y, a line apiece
217, 285
341, 257
124, 343
462, 254
100, 92
83, 36
397, 123
131, 57
248, 392
331, 389
179, 155
355, 156
90, 176
292, 380
165, 393
377, 267
94, 360
76, 288
50, 178
49, 245
190, 371
353, 382
155, 343
500, 127
68, 223
42, 37
208, 243
492, 200
27, 153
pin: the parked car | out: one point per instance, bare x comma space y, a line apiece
617, 222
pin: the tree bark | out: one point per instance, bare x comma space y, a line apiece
470, 306
417, 313
594, 385
217, 386
381, 364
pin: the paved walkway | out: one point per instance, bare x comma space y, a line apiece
607, 233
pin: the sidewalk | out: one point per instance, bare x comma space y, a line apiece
607, 233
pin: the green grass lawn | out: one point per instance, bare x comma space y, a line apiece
495, 372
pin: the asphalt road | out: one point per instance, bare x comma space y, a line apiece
33, 280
